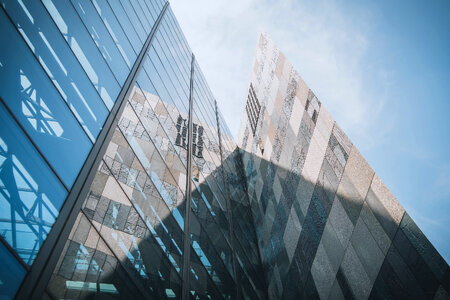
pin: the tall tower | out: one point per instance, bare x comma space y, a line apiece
327, 226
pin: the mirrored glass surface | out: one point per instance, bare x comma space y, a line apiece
30, 194
102, 39
84, 49
60, 64
11, 274
37, 106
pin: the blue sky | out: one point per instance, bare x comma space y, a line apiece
382, 69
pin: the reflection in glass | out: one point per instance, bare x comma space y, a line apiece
11, 274
58, 61
30, 194
38, 107
87, 269
84, 49
102, 39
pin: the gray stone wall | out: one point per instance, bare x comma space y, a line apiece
327, 226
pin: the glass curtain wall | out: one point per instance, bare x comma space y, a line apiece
63, 73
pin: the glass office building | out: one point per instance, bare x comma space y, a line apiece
108, 126
119, 178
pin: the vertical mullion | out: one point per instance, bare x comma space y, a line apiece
187, 218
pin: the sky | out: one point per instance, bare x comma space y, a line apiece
381, 68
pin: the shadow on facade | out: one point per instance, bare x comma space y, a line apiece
127, 242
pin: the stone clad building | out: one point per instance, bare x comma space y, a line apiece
327, 226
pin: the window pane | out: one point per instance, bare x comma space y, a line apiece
38, 107
60, 64
124, 22
116, 31
128, 23
102, 39
84, 48
11, 274
30, 194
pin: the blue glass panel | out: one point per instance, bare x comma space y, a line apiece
44, 39
30, 194
82, 45
116, 31
122, 17
153, 14
38, 107
11, 274
102, 39
143, 15
124, 10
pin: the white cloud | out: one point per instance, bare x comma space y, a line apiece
325, 46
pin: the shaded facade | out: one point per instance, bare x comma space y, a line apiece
108, 130
119, 178
326, 224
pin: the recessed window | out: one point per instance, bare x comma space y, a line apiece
253, 108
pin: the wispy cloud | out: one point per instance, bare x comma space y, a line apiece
322, 43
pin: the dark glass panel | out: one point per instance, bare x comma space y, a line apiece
102, 39
85, 50
120, 29
43, 38
30, 194
11, 274
38, 107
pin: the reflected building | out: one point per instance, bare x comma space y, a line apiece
120, 179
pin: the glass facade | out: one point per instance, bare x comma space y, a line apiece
70, 67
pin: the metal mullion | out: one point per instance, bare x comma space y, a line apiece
111, 35
162, 81
157, 150
178, 47
148, 8
143, 13
187, 219
183, 230
177, 33
164, 131
37, 279
182, 81
170, 67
